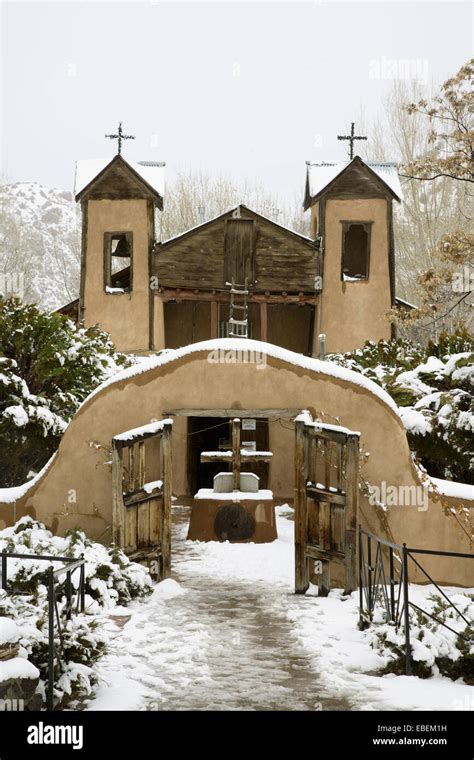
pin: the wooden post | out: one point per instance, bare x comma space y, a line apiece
141, 464
324, 584
117, 495
131, 459
214, 322
327, 463
300, 505
264, 322
351, 511
339, 465
236, 453
167, 475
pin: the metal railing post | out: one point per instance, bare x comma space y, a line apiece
68, 590
82, 585
4, 571
392, 581
361, 591
369, 574
50, 698
406, 612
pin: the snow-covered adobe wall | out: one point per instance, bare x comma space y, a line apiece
75, 488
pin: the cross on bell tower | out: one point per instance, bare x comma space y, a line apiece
120, 136
352, 137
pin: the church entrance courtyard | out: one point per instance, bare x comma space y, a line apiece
226, 631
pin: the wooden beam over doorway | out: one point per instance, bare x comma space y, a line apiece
179, 294
243, 413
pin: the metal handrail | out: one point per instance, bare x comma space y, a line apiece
373, 584
72, 564
415, 551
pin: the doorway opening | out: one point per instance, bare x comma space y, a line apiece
214, 434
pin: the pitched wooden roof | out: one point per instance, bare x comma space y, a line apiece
242, 210
118, 178
283, 260
356, 177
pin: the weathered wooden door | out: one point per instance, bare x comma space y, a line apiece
326, 503
141, 493
239, 251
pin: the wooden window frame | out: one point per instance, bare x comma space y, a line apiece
346, 223
108, 237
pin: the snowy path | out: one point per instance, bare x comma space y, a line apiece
219, 641
230, 634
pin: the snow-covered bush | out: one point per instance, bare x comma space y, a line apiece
434, 388
48, 366
434, 649
111, 580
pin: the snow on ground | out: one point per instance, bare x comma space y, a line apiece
227, 632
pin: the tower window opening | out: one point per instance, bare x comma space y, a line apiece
118, 261
355, 250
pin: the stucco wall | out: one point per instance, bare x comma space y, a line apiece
81, 467
350, 310
125, 316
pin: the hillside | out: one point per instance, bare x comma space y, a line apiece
40, 238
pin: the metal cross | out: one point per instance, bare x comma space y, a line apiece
236, 455
351, 139
120, 136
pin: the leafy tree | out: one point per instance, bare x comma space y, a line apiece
444, 289
433, 387
48, 366
451, 135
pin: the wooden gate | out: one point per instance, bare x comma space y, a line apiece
142, 507
326, 502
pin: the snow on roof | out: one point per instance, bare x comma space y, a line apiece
151, 429
247, 347
151, 171
402, 302
234, 496
321, 174
452, 489
306, 417
12, 494
244, 453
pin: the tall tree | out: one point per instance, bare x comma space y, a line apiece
444, 288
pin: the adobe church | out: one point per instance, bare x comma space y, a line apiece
231, 436
240, 274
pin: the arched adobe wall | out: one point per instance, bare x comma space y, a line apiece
186, 378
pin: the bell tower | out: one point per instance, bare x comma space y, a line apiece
351, 214
118, 201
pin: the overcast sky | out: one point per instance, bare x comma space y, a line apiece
245, 88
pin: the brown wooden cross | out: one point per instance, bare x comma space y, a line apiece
352, 137
236, 455
120, 136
